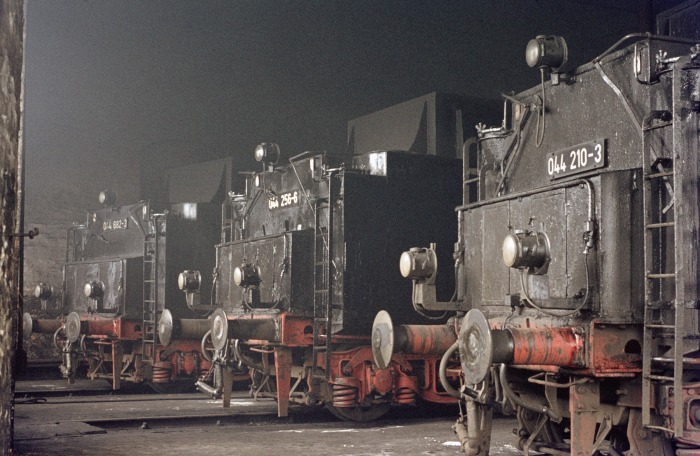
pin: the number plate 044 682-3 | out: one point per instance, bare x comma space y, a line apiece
115, 224
577, 159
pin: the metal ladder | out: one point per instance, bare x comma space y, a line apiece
661, 318
70, 244
669, 248
151, 313
227, 221
323, 305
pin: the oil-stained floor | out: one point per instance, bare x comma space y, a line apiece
102, 423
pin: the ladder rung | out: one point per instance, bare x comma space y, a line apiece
655, 126
659, 175
660, 225
655, 305
660, 378
672, 361
661, 276
664, 336
653, 326
663, 360
319, 348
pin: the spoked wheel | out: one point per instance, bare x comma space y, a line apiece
360, 413
173, 387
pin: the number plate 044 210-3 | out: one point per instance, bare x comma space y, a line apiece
577, 159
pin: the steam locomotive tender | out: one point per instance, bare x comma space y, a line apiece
577, 258
120, 273
302, 270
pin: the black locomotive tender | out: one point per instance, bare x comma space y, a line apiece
302, 268
577, 255
120, 274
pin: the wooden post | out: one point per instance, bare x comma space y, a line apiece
283, 373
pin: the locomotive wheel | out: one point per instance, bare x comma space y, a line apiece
359, 413
172, 387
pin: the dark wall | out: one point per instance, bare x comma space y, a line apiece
121, 90
11, 61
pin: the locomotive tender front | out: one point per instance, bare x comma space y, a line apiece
282, 252
115, 288
108, 253
578, 256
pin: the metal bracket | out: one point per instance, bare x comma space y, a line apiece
30, 234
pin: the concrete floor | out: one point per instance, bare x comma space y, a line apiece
191, 424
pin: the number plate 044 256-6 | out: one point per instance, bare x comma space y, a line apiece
287, 199
577, 159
